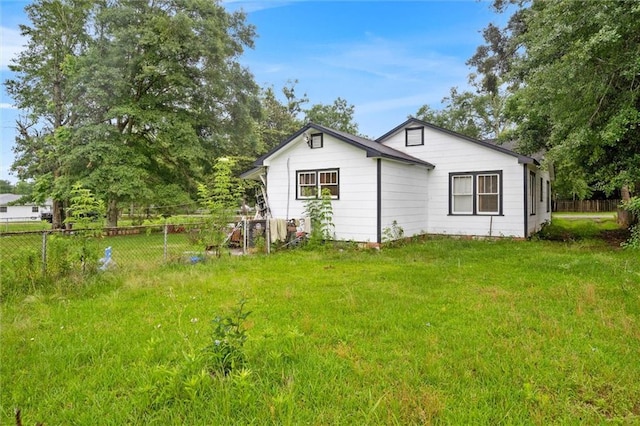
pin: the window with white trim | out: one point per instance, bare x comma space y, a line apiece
312, 182
462, 194
3, 209
316, 141
475, 193
532, 193
34, 209
414, 136
489, 194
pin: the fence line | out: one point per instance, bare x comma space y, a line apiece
586, 206
28, 256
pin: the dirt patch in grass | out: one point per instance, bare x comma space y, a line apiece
614, 237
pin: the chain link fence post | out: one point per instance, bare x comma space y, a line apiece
44, 254
166, 231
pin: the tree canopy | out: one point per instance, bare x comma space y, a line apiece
574, 71
150, 93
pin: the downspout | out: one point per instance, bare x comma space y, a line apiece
525, 182
379, 202
288, 187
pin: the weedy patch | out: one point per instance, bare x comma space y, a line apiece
225, 353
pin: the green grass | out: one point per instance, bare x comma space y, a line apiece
439, 331
39, 225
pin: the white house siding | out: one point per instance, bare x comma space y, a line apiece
20, 213
355, 212
451, 154
404, 197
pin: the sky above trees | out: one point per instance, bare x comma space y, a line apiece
385, 58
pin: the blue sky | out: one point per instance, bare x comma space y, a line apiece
387, 58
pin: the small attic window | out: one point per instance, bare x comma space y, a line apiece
316, 141
414, 136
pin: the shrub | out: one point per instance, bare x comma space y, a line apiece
633, 205
320, 211
225, 352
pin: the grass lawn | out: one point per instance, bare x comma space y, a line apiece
438, 331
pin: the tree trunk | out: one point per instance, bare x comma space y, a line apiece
57, 215
112, 213
624, 216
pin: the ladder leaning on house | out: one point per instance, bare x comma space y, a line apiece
262, 202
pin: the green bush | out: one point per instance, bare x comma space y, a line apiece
633, 206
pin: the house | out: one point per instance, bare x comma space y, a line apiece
426, 179
12, 211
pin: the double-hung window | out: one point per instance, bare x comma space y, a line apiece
475, 193
462, 194
488, 194
311, 183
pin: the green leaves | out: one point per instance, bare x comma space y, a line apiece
135, 94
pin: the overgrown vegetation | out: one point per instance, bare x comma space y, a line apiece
220, 201
633, 206
225, 352
85, 212
439, 331
320, 211
393, 234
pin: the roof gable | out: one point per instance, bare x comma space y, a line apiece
6, 199
521, 158
373, 149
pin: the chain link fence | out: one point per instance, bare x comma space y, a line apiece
30, 257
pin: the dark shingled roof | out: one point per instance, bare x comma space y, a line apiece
372, 148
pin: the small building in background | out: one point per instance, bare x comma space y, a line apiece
11, 210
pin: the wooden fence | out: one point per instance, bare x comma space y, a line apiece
586, 206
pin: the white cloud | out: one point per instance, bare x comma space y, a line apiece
12, 43
401, 60
4, 105
402, 102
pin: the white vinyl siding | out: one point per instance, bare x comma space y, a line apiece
354, 213
453, 155
403, 197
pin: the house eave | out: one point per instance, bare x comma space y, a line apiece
372, 154
253, 174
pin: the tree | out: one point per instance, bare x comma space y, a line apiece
338, 116
573, 68
6, 187
220, 199
42, 89
279, 120
479, 115
126, 95
161, 93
